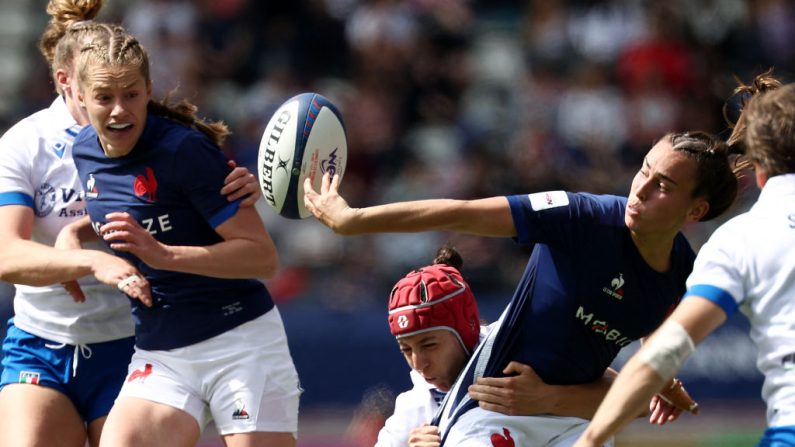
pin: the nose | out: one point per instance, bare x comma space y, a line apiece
642, 192
420, 362
118, 109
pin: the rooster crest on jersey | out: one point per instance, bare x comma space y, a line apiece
434, 297
304, 138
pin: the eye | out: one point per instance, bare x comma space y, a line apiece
132, 95
643, 173
662, 186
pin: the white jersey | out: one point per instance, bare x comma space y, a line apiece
749, 263
413, 409
37, 170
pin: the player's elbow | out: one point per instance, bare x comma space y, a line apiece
268, 264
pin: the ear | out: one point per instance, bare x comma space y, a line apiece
698, 211
761, 176
62, 81
79, 99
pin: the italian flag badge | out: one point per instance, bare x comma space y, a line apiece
29, 377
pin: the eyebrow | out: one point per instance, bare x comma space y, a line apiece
663, 176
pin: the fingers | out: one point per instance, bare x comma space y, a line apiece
119, 216
308, 189
240, 183
663, 412
136, 287
74, 290
325, 184
128, 281
518, 368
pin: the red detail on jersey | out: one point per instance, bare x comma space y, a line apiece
146, 185
498, 440
141, 373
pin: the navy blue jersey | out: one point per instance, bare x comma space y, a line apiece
585, 294
170, 183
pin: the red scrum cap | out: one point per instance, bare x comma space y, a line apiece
431, 298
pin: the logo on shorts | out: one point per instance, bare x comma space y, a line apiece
498, 440
141, 374
240, 411
29, 377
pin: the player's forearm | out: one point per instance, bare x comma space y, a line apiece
582, 400
34, 264
485, 217
629, 396
234, 258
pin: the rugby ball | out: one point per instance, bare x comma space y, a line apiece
305, 138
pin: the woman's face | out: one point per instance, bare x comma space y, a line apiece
660, 200
436, 355
115, 99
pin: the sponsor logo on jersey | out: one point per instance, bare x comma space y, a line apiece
545, 200
146, 185
91, 187
44, 199
240, 411
502, 440
29, 377
140, 374
616, 289
602, 327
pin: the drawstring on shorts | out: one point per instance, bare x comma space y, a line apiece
81, 349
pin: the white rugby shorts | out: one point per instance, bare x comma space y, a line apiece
243, 379
482, 428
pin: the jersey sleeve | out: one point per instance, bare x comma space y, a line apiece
15, 177
200, 170
716, 273
560, 218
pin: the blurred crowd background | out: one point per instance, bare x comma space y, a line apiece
441, 98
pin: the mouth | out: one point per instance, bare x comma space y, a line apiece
119, 127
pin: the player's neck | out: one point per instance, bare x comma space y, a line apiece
656, 251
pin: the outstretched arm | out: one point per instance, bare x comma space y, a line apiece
485, 217
638, 380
